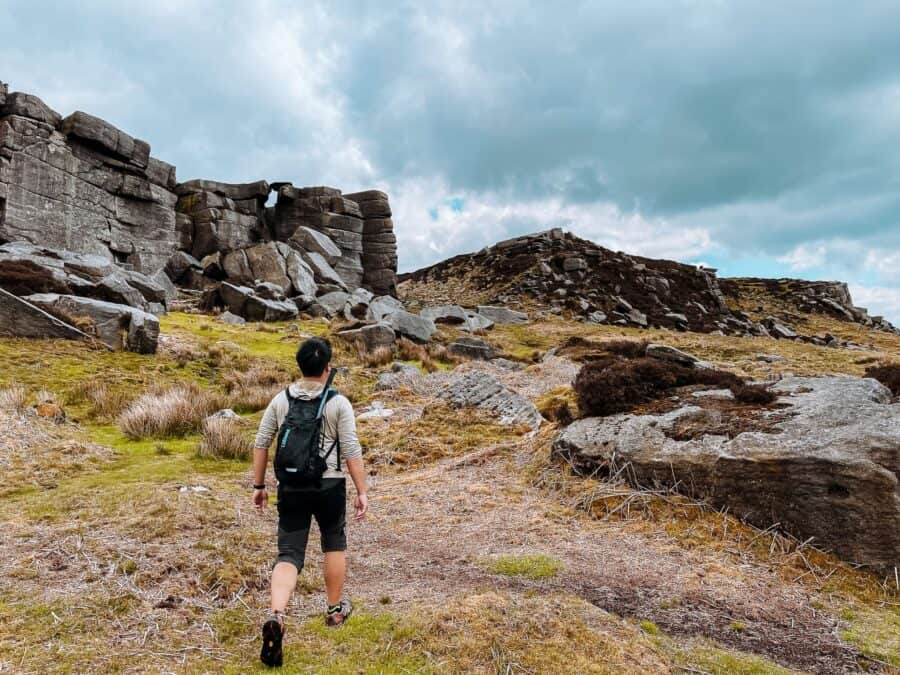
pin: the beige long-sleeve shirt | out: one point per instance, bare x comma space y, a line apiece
338, 423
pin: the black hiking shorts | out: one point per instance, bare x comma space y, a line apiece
297, 507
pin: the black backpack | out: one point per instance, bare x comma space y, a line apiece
299, 461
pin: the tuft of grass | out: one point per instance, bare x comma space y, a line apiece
531, 566
649, 627
224, 438
14, 399
172, 413
107, 401
558, 405
382, 356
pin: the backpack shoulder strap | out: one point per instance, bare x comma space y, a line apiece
287, 392
326, 393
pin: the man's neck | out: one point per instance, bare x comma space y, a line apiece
322, 379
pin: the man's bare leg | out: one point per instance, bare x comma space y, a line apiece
284, 580
335, 569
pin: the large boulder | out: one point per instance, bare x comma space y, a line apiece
381, 306
323, 272
20, 318
412, 326
472, 348
334, 302
117, 326
480, 389
827, 468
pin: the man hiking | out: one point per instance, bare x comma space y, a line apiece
315, 427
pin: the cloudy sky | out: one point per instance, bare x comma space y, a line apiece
759, 138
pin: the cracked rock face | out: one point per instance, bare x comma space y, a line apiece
82, 185
828, 469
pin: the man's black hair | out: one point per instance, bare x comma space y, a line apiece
312, 356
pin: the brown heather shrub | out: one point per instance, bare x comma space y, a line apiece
613, 385
753, 393
224, 438
14, 399
888, 374
173, 412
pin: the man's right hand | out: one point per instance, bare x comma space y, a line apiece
260, 499
362, 506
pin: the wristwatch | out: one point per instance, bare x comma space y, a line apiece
261, 486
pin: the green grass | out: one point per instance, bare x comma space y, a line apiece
876, 631
531, 566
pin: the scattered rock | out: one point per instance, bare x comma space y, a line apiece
479, 389
400, 374
475, 322
770, 358
381, 306
472, 348
502, 314
232, 319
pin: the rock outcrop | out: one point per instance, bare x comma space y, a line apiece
827, 467
379, 256
562, 273
559, 273
80, 184
800, 296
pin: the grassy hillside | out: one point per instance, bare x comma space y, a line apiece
136, 554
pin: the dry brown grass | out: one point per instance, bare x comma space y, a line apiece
382, 356
106, 401
169, 413
253, 389
14, 399
407, 350
438, 433
224, 438
38, 452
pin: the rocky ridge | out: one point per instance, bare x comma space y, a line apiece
559, 273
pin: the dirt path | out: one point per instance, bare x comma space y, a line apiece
430, 531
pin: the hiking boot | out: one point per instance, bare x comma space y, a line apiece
338, 615
272, 635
